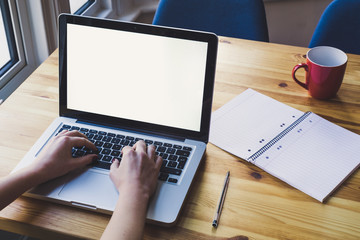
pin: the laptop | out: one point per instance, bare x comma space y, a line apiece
120, 82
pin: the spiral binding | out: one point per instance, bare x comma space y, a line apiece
278, 137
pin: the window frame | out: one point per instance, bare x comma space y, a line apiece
25, 65
84, 7
5, 12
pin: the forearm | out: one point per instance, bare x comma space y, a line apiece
128, 219
15, 184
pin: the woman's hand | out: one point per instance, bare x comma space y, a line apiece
138, 170
56, 158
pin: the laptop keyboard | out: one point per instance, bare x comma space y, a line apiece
109, 145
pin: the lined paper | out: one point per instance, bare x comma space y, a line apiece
316, 156
249, 122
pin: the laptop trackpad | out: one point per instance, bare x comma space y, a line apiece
91, 188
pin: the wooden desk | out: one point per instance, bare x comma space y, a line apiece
257, 206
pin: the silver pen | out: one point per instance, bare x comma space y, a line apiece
221, 201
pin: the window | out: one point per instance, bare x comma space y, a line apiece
4, 48
8, 51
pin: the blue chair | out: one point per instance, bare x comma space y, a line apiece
232, 18
339, 27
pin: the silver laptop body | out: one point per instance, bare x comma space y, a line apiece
134, 80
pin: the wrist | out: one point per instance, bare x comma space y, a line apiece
134, 198
134, 191
36, 175
133, 204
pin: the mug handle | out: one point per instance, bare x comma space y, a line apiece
301, 65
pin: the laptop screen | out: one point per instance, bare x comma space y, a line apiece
137, 76
142, 77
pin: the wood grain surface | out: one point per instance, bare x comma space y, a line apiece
257, 205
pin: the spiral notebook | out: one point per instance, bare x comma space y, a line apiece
302, 149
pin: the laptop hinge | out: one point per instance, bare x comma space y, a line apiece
143, 132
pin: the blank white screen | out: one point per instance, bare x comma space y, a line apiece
142, 77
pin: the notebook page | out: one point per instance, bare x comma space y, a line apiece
248, 122
315, 157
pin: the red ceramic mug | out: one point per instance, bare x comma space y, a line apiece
325, 69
